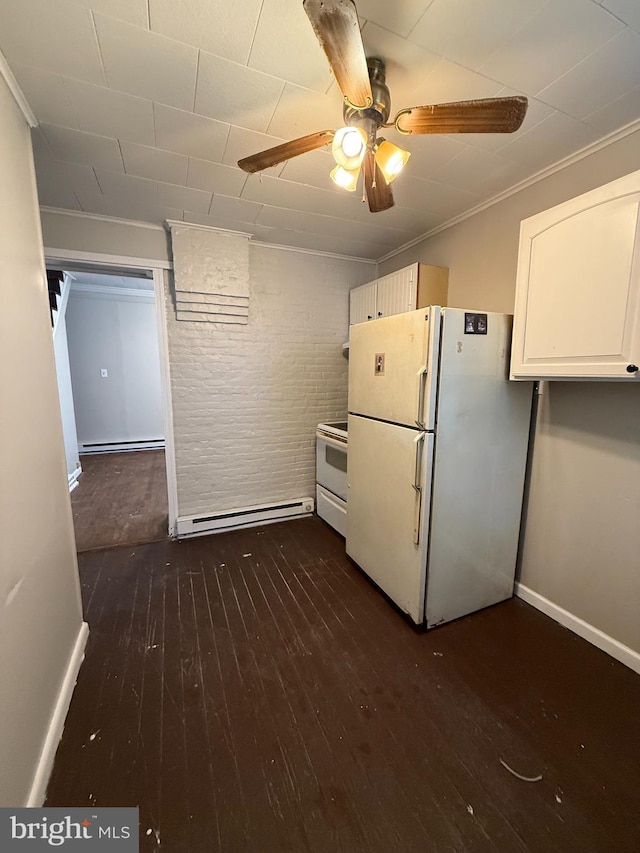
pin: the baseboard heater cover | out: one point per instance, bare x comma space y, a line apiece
122, 446
250, 516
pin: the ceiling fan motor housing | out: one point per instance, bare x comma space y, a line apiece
372, 118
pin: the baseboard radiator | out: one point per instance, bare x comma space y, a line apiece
122, 446
250, 516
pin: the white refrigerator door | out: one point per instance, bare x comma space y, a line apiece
479, 467
390, 374
389, 488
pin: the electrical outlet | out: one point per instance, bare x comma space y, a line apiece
104, 373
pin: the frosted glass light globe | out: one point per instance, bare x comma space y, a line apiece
352, 143
349, 147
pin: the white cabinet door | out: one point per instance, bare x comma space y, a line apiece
362, 303
577, 313
397, 292
417, 285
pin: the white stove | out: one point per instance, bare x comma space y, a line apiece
334, 429
331, 474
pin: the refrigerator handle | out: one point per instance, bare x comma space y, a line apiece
419, 443
422, 373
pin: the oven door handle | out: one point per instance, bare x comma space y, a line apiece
333, 442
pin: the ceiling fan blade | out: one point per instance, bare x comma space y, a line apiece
336, 26
490, 115
280, 153
378, 191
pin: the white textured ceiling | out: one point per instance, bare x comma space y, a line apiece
146, 105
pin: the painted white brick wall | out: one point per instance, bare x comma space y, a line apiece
208, 261
246, 399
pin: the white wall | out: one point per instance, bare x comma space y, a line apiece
65, 390
246, 399
109, 329
582, 534
101, 235
40, 610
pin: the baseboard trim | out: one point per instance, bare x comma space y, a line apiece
598, 638
56, 725
249, 516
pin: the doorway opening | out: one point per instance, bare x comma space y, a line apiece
113, 380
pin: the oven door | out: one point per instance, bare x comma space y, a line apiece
331, 465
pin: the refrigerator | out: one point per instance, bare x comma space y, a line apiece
438, 440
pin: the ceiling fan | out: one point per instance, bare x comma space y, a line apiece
367, 105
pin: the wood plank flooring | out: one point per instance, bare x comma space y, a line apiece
121, 499
253, 692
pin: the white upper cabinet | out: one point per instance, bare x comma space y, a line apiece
577, 311
415, 286
397, 292
362, 303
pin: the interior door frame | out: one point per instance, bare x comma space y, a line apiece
158, 270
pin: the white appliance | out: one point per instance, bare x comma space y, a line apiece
331, 474
438, 442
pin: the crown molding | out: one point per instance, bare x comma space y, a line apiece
17, 92
318, 252
558, 166
173, 223
62, 211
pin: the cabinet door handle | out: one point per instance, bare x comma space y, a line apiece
369, 317
379, 313
632, 368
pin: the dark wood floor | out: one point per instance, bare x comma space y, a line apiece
121, 499
252, 691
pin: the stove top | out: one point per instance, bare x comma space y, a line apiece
338, 429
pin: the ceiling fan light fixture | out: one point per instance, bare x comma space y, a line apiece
390, 159
346, 179
349, 146
366, 109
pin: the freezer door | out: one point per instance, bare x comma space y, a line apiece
479, 467
390, 368
389, 488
